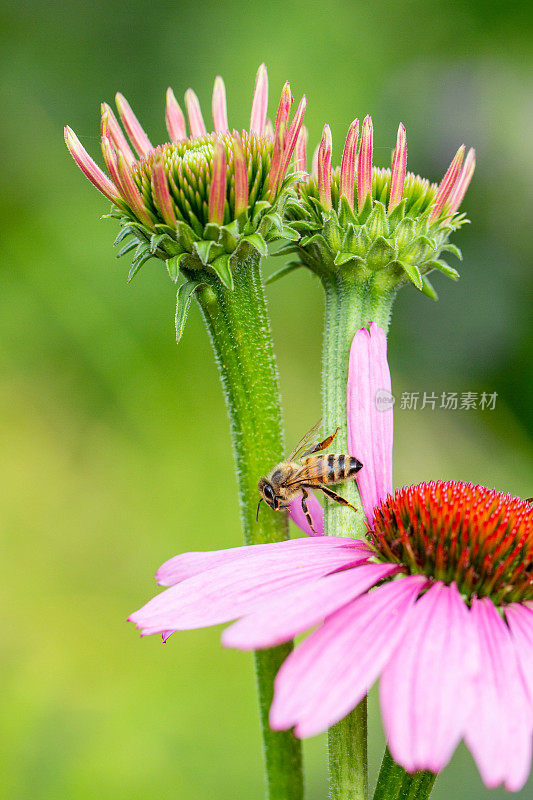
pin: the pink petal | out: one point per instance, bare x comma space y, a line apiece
196, 121
175, 118
185, 565
162, 192
240, 172
324, 169
110, 158
293, 133
399, 163
347, 181
89, 168
300, 155
498, 731
296, 513
220, 114
364, 167
138, 137
259, 102
370, 417
229, 590
217, 192
314, 163
447, 184
328, 674
131, 193
114, 131
300, 608
520, 620
426, 688
462, 183
280, 133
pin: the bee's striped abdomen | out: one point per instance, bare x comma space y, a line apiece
331, 468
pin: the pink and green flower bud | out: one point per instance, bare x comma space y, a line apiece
399, 163
138, 137
89, 168
194, 113
291, 139
364, 166
175, 118
447, 184
114, 131
220, 114
217, 192
347, 177
280, 131
260, 102
461, 185
324, 169
300, 154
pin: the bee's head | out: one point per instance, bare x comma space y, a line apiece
268, 494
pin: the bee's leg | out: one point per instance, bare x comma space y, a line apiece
334, 496
321, 445
305, 495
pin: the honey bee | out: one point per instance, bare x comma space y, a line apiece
303, 470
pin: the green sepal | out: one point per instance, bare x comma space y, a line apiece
203, 250
397, 214
315, 238
259, 209
303, 225
413, 272
228, 239
342, 258
381, 253
404, 232
183, 302
212, 232
346, 215
287, 232
221, 266
257, 241
122, 234
364, 213
127, 247
377, 224
186, 236
173, 267
137, 264
427, 288
285, 270
417, 249
333, 231
156, 240
451, 248
443, 267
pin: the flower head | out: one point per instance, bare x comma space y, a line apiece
363, 219
436, 604
202, 201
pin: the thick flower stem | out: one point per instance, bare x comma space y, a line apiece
238, 325
349, 306
394, 783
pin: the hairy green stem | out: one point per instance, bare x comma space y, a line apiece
394, 783
349, 306
239, 328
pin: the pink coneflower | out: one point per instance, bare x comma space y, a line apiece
436, 604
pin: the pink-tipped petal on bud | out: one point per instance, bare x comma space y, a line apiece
110, 157
300, 154
114, 131
291, 138
240, 172
324, 169
217, 193
399, 163
131, 194
259, 102
314, 163
220, 114
162, 193
194, 113
175, 118
269, 129
349, 157
447, 184
461, 184
280, 132
134, 129
364, 165
90, 169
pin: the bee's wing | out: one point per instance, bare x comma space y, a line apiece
311, 470
305, 441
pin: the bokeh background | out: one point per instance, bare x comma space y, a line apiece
115, 452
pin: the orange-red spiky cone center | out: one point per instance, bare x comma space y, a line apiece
454, 531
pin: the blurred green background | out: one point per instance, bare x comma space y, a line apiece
115, 451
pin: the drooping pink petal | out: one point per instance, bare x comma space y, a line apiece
259, 102
194, 113
292, 137
498, 730
349, 157
130, 192
280, 133
217, 192
300, 155
296, 513
520, 620
110, 158
89, 168
324, 169
328, 674
220, 114
399, 163
462, 183
240, 172
447, 184
364, 166
175, 118
225, 592
426, 687
114, 131
185, 565
161, 191
369, 415
301, 608
138, 137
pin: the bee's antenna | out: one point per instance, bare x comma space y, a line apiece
257, 515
